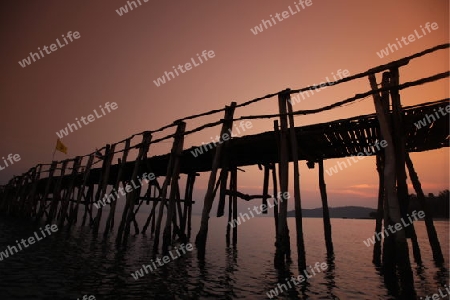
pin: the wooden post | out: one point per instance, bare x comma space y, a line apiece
400, 149
380, 157
81, 190
128, 213
103, 184
43, 205
230, 212
70, 188
282, 244
177, 150
393, 207
326, 213
24, 191
275, 193
33, 198
151, 217
187, 200
432, 235
265, 187
379, 218
57, 193
297, 199
88, 203
200, 240
233, 189
110, 221
173, 160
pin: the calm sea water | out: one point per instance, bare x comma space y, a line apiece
68, 265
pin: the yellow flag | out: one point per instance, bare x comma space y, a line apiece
61, 147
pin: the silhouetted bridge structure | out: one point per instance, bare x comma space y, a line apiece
57, 192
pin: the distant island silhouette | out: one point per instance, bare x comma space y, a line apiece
439, 207
350, 212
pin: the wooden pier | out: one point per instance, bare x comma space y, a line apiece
66, 191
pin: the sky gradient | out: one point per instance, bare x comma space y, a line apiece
117, 58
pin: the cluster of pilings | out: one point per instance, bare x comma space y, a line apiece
68, 186
59, 191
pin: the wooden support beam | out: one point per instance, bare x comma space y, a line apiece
282, 244
70, 188
176, 152
384, 100
200, 240
81, 190
128, 213
431, 230
393, 211
326, 213
57, 193
275, 192
379, 218
32, 197
47, 190
233, 187
188, 200
301, 255
103, 184
265, 188
110, 221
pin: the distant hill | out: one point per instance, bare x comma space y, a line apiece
350, 212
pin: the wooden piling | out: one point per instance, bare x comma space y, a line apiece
128, 213
33, 194
326, 213
233, 189
187, 201
265, 191
301, 255
282, 244
379, 218
57, 193
202, 234
177, 149
275, 195
400, 149
81, 190
393, 207
69, 192
110, 221
103, 185
380, 157
43, 205
431, 230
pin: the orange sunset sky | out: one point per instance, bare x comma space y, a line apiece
117, 58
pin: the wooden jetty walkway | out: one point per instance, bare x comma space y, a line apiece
63, 190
